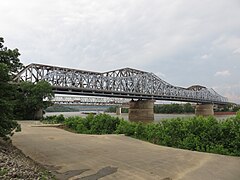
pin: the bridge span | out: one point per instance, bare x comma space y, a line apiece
129, 83
91, 101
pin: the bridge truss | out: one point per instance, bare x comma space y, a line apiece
89, 101
121, 83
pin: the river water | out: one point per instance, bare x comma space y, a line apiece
157, 117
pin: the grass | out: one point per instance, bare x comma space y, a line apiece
3, 171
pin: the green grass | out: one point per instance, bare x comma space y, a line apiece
3, 171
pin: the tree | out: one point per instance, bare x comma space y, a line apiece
32, 98
188, 108
7, 125
17, 100
10, 58
9, 65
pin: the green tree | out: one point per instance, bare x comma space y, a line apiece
10, 58
32, 98
7, 125
9, 65
188, 108
173, 108
236, 108
17, 100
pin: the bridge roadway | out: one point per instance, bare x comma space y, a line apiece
118, 157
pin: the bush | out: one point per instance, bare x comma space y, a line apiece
197, 133
71, 122
99, 124
204, 134
238, 115
126, 127
54, 119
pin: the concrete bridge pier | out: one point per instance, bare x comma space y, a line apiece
118, 110
141, 110
204, 110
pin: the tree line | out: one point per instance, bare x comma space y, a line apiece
180, 108
174, 108
164, 108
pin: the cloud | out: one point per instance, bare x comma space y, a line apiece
230, 91
184, 42
223, 73
205, 56
233, 98
161, 75
236, 51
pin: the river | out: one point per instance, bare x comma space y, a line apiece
157, 117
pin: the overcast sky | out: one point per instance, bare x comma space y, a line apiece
184, 42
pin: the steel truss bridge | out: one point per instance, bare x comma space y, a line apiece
89, 101
121, 83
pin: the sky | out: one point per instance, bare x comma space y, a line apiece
184, 42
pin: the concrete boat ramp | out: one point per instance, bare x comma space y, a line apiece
78, 156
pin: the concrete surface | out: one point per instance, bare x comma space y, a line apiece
118, 157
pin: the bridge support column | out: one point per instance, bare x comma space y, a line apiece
141, 110
204, 110
118, 110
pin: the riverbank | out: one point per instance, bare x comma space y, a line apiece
157, 117
119, 157
15, 165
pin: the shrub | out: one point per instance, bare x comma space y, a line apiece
238, 115
126, 127
72, 122
60, 119
54, 119
99, 124
196, 133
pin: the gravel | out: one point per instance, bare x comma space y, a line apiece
14, 165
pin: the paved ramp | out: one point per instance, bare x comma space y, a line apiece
118, 157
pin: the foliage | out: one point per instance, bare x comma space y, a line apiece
54, 119
10, 58
197, 133
98, 124
127, 128
238, 114
204, 134
18, 101
114, 109
236, 108
92, 124
3, 171
228, 108
31, 97
163, 108
8, 65
61, 108
174, 108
